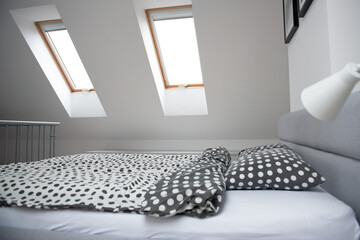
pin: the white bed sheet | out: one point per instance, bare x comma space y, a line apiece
246, 215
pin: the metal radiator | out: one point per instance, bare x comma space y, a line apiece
27, 140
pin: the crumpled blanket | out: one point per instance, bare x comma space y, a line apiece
152, 184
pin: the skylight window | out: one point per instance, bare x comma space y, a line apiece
63, 51
174, 37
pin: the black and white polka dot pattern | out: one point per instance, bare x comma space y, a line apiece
195, 190
106, 182
275, 168
250, 150
220, 154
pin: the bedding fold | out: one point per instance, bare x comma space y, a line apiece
195, 190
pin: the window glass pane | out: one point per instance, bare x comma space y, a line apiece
70, 59
179, 50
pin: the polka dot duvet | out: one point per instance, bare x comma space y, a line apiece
151, 184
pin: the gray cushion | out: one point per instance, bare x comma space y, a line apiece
341, 173
340, 136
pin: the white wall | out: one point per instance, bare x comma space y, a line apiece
327, 39
344, 32
309, 55
244, 65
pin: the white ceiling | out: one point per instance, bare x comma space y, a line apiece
243, 58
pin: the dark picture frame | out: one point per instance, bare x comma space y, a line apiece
291, 19
303, 6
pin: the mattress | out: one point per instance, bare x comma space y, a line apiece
265, 214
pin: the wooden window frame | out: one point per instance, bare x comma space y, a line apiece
156, 47
55, 58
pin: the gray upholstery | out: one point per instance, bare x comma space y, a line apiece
341, 173
341, 136
332, 148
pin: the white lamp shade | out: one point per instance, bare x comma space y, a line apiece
325, 99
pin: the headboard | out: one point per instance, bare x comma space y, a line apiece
332, 148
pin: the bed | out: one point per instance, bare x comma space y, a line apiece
328, 211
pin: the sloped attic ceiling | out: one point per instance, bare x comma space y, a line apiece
243, 58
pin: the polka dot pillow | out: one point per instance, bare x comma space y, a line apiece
250, 150
276, 168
